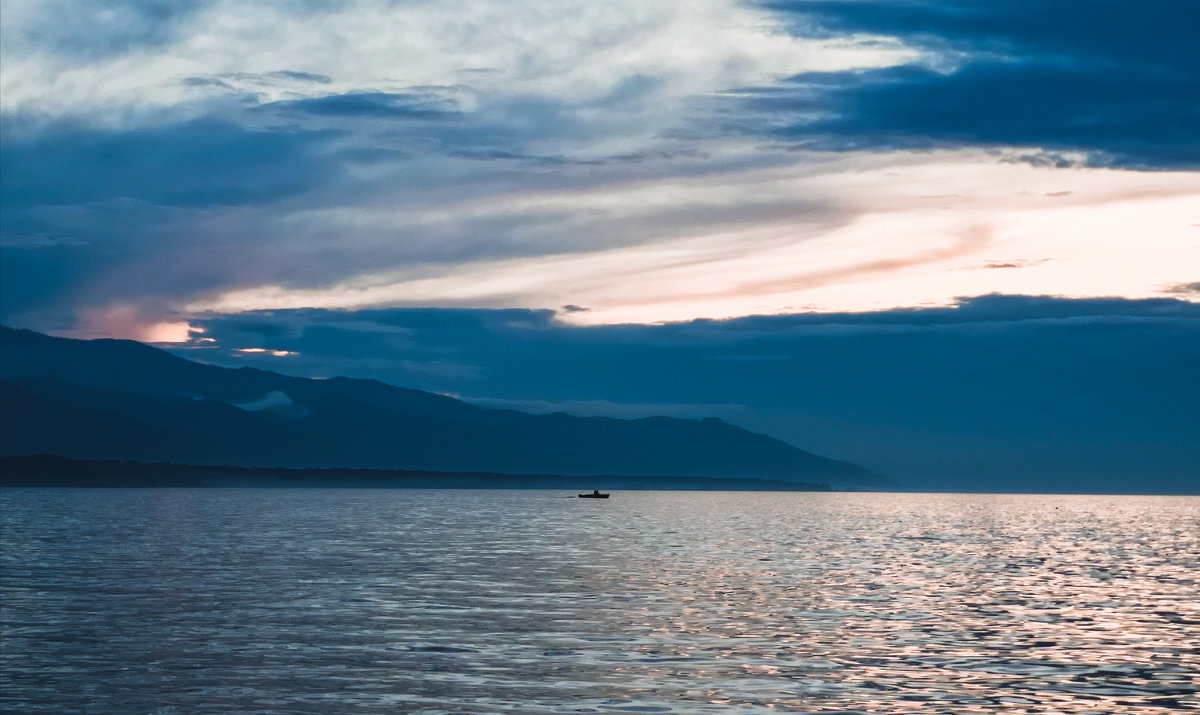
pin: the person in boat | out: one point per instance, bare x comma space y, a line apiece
595, 492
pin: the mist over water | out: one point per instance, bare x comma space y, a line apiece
178, 600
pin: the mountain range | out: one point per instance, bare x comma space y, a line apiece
124, 400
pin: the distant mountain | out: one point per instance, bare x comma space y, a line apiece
119, 399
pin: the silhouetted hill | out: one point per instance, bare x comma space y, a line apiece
118, 399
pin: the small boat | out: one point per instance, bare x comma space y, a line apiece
594, 495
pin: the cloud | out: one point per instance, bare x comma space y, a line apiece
200, 162
91, 32
526, 344
1119, 116
667, 239
1018, 263
263, 351
127, 321
373, 104
649, 160
281, 75
950, 396
1153, 33
895, 241
575, 52
1115, 83
277, 403
1184, 288
199, 147
604, 408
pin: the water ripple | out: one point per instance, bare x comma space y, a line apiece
478, 602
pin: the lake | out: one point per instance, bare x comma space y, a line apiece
291, 600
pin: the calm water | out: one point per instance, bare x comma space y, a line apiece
367, 601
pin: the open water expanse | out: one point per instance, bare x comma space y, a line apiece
178, 600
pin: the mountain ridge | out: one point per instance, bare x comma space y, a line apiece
127, 400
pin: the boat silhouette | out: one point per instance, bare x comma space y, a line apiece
594, 495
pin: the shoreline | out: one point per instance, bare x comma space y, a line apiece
55, 471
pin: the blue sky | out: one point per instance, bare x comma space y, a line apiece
168, 168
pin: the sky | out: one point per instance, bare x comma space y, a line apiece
371, 188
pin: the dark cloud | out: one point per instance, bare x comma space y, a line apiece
134, 210
207, 82
259, 79
1023, 263
1006, 391
301, 76
372, 104
1120, 116
190, 163
1184, 288
1154, 33
1112, 78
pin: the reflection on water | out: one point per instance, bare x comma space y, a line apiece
344, 601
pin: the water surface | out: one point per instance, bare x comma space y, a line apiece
178, 600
